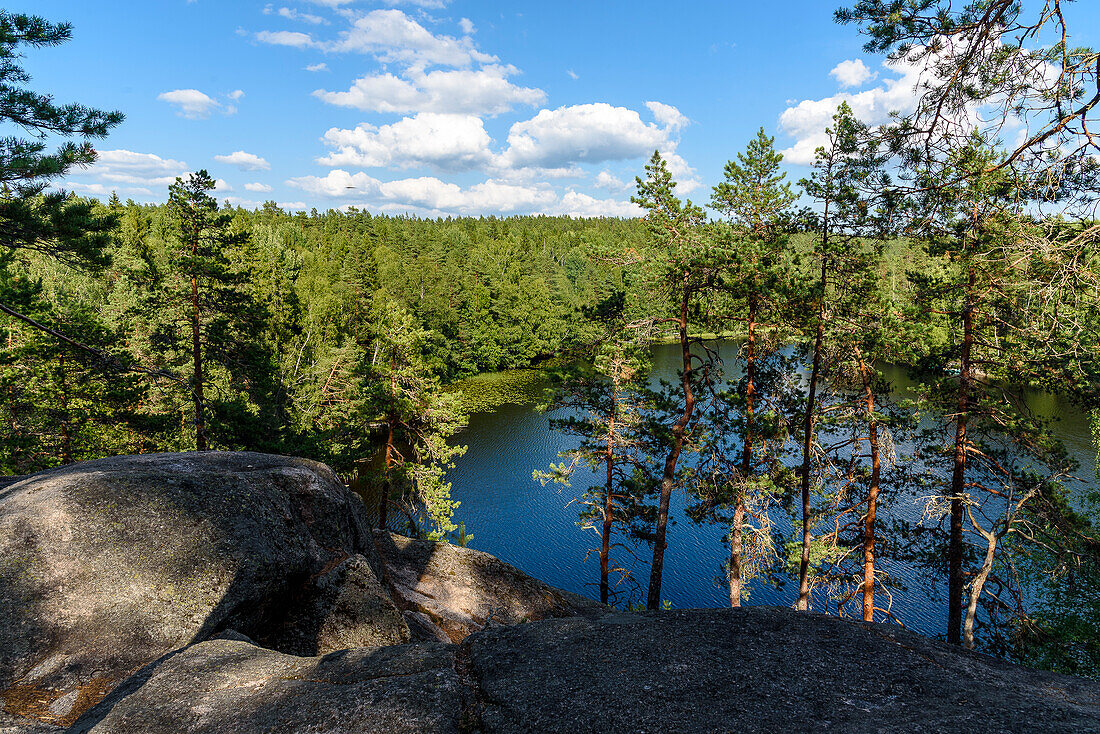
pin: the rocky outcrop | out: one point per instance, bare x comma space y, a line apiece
743, 670
245, 593
448, 592
758, 669
107, 565
228, 686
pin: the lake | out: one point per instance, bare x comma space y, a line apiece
535, 528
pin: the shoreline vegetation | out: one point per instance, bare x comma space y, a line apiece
193, 325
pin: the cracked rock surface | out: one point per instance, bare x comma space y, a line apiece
231, 686
106, 565
461, 590
758, 669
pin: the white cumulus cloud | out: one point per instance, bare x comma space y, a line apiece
443, 141
294, 39
667, 115
190, 103
807, 120
589, 133
607, 180
244, 161
258, 187
576, 204
851, 73
484, 91
392, 36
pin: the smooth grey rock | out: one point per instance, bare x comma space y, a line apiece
109, 564
461, 590
15, 725
347, 607
757, 670
226, 686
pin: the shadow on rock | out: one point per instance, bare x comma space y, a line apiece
447, 592
109, 564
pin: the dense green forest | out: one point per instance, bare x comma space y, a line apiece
191, 325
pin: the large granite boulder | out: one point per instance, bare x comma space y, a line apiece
758, 669
226, 686
448, 591
107, 565
747, 670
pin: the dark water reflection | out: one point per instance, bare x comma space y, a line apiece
535, 528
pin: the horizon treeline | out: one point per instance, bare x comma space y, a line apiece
191, 326
492, 294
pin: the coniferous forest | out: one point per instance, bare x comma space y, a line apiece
928, 244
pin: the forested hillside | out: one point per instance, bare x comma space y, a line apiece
925, 244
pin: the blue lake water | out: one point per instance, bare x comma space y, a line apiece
514, 517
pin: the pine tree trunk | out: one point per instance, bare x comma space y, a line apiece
66, 438
384, 499
807, 445
608, 498
196, 356
746, 459
608, 510
735, 554
872, 497
668, 478
976, 589
958, 474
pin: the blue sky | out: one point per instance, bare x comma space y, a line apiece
452, 107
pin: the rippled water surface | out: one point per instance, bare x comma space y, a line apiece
535, 528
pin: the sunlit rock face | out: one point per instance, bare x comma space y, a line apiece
755, 669
447, 592
222, 592
107, 565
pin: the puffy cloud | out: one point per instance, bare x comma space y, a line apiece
140, 169
484, 91
429, 4
687, 180
449, 142
667, 115
190, 103
258, 187
575, 204
467, 26
128, 173
221, 186
429, 194
294, 39
392, 36
138, 164
293, 14
236, 95
806, 121
489, 196
852, 73
607, 180
337, 184
244, 161
317, 67
589, 133
98, 189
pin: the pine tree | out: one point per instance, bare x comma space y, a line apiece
56, 224
683, 261
197, 316
608, 402
759, 279
403, 392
